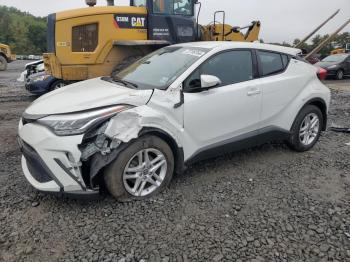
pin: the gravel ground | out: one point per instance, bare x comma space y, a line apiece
264, 204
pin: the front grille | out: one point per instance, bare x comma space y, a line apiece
35, 164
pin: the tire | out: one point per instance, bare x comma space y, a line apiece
339, 75
299, 142
3, 63
122, 185
57, 85
124, 64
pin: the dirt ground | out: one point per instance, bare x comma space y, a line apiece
262, 204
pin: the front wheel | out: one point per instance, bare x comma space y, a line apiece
57, 85
142, 170
306, 129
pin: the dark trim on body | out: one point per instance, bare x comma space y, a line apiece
320, 103
31, 155
177, 151
61, 165
238, 143
77, 195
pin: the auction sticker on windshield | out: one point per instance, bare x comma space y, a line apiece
193, 52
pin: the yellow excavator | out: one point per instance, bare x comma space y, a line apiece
341, 50
5, 56
96, 41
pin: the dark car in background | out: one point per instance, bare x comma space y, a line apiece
37, 81
41, 83
337, 65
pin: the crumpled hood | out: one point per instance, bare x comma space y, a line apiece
326, 64
87, 95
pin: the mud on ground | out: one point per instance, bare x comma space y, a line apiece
263, 204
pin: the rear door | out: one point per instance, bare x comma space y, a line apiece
217, 116
282, 79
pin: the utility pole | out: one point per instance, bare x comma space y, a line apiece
318, 28
325, 42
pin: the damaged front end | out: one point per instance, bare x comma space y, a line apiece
97, 151
101, 146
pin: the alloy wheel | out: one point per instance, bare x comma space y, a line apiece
309, 129
340, 75
145, 172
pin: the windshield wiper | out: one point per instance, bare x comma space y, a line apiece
126, 83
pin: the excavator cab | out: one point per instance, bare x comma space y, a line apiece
172, 21
102, 40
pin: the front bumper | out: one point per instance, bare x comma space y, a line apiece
52, 164
37, 89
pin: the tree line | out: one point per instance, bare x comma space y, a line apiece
25, 33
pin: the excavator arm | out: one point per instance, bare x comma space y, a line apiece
225, 32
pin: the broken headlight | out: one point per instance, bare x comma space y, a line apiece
79, 123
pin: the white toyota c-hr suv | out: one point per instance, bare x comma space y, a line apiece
178, 105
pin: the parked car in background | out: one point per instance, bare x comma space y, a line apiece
337, 65
174, 107
41, 83
31, 68
37, 81
313, 59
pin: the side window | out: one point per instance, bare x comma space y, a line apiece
162, 7
271, 63
140, 3
230, 67
85, 38
183, 7
285, 60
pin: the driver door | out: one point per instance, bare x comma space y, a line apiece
229, 112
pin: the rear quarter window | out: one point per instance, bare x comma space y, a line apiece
270, 63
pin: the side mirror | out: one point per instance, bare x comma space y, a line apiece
209, 81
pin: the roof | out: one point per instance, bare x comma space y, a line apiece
228, 45
99, 10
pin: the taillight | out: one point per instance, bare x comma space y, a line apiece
322, 73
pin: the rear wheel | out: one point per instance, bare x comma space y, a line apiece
306, 129
339, 75
3, 63
142, 170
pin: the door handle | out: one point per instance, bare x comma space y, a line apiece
253, 92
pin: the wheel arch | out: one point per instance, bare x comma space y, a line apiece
176, 149
53, 82
321, 104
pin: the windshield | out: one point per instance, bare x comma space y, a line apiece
160, 69
335, 58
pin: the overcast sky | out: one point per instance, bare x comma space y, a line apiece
282, 20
